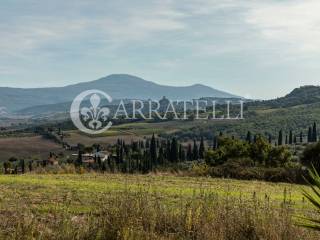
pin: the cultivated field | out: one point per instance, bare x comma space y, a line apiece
114, 206
34, 147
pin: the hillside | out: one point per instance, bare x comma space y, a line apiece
302, 95
119, 86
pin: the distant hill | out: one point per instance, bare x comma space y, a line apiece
119, 86
299, 96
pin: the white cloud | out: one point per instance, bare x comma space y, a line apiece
23, 34
295, 24
30, 34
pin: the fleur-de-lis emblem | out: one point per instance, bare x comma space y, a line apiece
94, 119
94, 115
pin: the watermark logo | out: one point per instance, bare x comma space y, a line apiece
88, 114
92, 110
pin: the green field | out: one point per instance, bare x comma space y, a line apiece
171, 187
48, 205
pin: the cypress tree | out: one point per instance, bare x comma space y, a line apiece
286, 141
270, 139
180, 152
161, 156
189, 153
118, 149
280, 138
249, 137
290, 137
301, 137
30, 166
168, 150
201, 149
153, 150
182, 155
314, 132
79, 159
310, 135
121, 153
22, 163
174, 150
104, 167
195, 151
99, 162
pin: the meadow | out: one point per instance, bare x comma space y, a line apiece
117, 206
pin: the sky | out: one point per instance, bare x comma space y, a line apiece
256, 49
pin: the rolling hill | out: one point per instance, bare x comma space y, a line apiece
303, 95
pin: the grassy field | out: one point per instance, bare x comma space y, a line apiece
114, 206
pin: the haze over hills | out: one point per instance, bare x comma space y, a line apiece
119, 86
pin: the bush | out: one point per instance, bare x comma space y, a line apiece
311, 156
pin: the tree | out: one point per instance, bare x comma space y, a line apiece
30, 166
7, 167
270, 139
161, 156
259, 150
311, 156
168, 150
290, 137
22, 165
314, 132
201, 149
189, 153
249, 137
195, 150
310, 135
301, 137
182, 155
99, 162
174, 150
278, 156
79, 159
153, 150
280, 138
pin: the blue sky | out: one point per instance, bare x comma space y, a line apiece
258, 49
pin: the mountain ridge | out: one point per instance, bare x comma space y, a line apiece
119, 86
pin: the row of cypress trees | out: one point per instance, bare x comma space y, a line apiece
292, 138
145, 156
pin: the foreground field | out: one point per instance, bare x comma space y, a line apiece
94, 206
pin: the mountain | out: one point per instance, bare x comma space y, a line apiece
299, 96
118, 86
